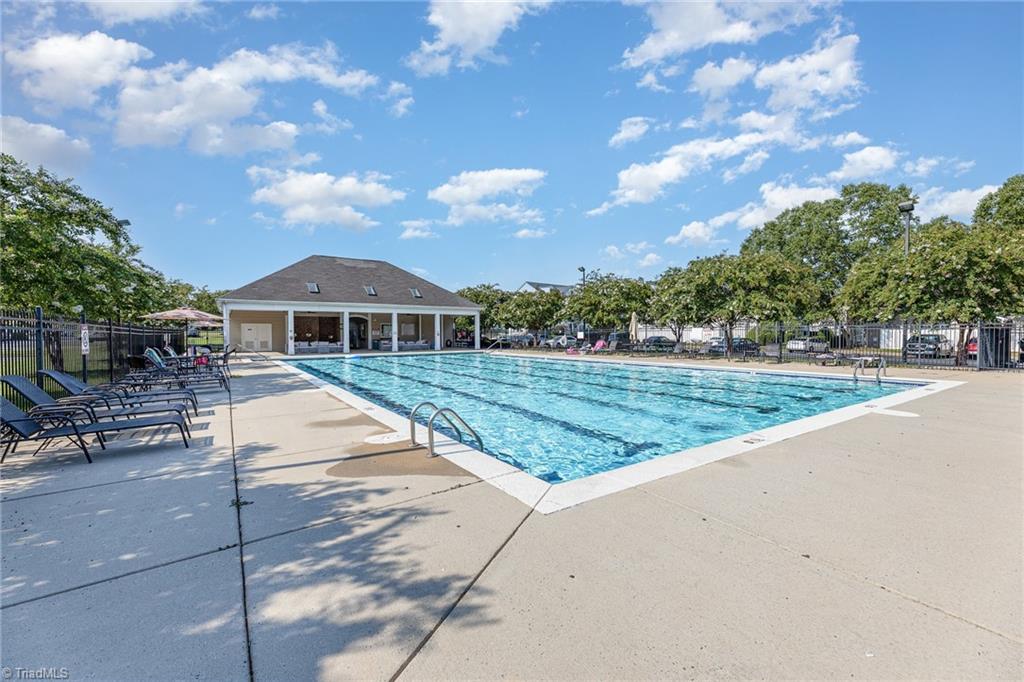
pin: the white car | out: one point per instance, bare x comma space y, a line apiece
562, 341
807, 345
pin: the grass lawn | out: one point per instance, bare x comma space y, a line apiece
204, 339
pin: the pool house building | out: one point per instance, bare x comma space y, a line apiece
329, 304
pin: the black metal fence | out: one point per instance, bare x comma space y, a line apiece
30, 341
983, 345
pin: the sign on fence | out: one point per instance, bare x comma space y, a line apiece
85, 339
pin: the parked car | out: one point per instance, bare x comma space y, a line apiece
562, 341
807, 345
929, 346
619, 338
658, 343
972, 348
739, 346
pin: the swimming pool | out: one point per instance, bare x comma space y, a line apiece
560, 420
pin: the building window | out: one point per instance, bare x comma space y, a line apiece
415, 293
370, 291
313, 287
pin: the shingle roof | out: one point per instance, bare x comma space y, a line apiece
341, 280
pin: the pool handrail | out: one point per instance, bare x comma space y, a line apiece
444, 412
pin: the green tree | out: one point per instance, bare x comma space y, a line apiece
953, 274
489, 297
724, 290
1004, 208
532, 310
830, 236
206, 300
608, 301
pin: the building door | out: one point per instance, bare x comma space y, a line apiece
358, 333
257, 336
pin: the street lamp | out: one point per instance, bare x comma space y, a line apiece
583, 271
907, 210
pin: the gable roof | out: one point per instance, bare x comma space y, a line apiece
564, 289
341, 280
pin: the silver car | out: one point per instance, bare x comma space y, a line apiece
806, 345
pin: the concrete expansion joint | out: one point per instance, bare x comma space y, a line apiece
854, 577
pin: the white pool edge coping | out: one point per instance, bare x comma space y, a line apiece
548, 498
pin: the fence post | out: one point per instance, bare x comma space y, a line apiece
39, 345
779, 338
110, 349
130, 348
981, 346
85, 358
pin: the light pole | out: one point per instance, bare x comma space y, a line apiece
907, 211
583, 325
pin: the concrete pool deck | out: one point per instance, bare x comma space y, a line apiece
881, 547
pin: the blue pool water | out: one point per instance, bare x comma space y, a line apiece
561, 420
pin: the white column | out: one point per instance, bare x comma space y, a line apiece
344, 333
226, 314
476, 331
394, 332
437, 331
290, 348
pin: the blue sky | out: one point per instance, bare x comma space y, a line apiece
502, 142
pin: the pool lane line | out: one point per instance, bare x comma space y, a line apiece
629, 449
589, 400
709, 401
739, 374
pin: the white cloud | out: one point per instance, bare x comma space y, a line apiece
417, 229
261, 11
401, 107
751, 163
827, 73
465, 194
697, 232
472, 186
181, 208
401, 98
961, 167
644, 182
849, 139
39, 144
679, 27
630, 130
113, 12
527, 233
649, 260
329, 123
922, 166
68, 70
775, 198
320, 198
650, 81
714, 82
637, 247
165, 105
867, 162
466, 33
936, 201
613, 251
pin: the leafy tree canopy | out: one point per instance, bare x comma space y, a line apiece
722, 290
1004, 208
532, 309
60, 249
953, 274
607, 301
489, 297
829, 236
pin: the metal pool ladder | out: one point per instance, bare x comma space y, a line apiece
450, 416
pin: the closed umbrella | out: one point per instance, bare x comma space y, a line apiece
634, 328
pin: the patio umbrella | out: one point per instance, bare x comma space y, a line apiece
187, 314
634, 328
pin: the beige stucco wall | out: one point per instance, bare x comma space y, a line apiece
278, 320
